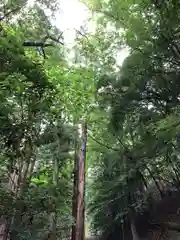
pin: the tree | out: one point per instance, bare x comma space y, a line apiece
140, 96
28, 111
115, 127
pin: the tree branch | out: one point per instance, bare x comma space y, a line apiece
172, 226
42, 44
37, 44
53, 39
102, 144
9, 13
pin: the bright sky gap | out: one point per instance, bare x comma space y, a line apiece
72, 15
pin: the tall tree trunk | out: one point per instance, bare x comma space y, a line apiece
53, 215
12, 187
55, 178
52, 234
135, 235
4, 229
81, 186
156, 182
134, 232
75, 188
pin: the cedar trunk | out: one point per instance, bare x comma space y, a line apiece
75, 189
81, 186
135, 235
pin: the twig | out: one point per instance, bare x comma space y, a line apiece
102, 144
9, 13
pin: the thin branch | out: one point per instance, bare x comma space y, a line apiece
54, 39
37, 44
104, 145
9, 13
42, 44
171, 226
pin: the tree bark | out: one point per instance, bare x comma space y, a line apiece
4, 230
156, 182
81, 186
134, 232
53, 215
75, 189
